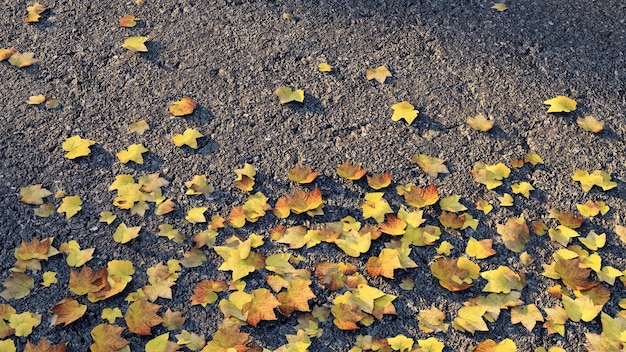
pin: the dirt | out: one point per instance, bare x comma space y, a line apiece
450, 59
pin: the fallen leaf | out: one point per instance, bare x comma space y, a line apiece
188, 138
489, 345
596, 178
107, 338
24, 323
431, 320
351, 171
470, 319
590, 124
245, 177
67, 311
173, 320
75, 256
36, 99
6, 53
375, 206
400, 343
22, 59
205, 292
138, 127
70, 205
111, 314
503, 280
287, 95
161, 343
76, 146
44, 346
515, 233
379, 181
484, 206
561, 104
33, 194
480, 123
108, 217
17, 286
123, 234
34, 12
421, 197
136, 44
430, 165
302, 174
324, 67
522, 188
128, 21
490, 175
479, 249
141, 317
403, 110
582, 308
591, 208
455, 274
191, 340
379, 73
533, 159
52, 103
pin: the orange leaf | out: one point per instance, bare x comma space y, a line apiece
336, 276
44, 346
566, 218
6, 53
34, 12
420, 198
107, 338
514, 233
128, 21
261, 307
141, 316
387, 261
297, 297
204, 292
351, 171
379, 181
393, 226
455, 274
67, 311
302, 174
183, 107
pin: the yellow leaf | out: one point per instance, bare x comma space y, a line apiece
7, 346
185, 106
75, 256
36, 99
582, 308
515, 233
407, 284
503, 280
490, 175
34, 13
136, 44
593, 241
49, 278
354, 243
128, 21
430, 165
70, 206
400, 343
561, 104
22, 59
111, 314
523, 188
161, 343
379, 73
608, 274
108, 217
324, 67
499, 6
451, 204
245, 177
528, 315
621, 232
484, 206
431, 320
480, 123
138, 127
444, 248
375, 206
470, 319
506, 200
189, 138
533, 159
596, 178
404, 110
590, 124
24, 323
287, 95
199, 185
431, 344
134, 153
591, 208
479, 249
33, 194
52, 103
45, 210
76, 146
489, 345
196, 215
124, 233
562, 234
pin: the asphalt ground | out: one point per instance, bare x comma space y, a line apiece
450, 59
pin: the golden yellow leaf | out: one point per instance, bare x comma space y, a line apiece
245, 177
404, 110
515, 233
523, 188
70, 206
111, 314
196, 215
379, 181
480, 123
199, 185
24, 323
76, 146
431, 320
33, 194
108, 217
484, 206
49, 278
444, 248
506, 200
451, 204
189, 138
590, 124
324, 67
22, 59
136, 44
432, 166
302, 174
36, 99
582, 308
123, 233
533, 159
6, 53
596, 178
561, 104
138, 127
34, 12
591, 208
479, 249
128, 21
133, 153
379, 73
401, 343
499, 6
185, 106
75, 256
287, 95
375, 206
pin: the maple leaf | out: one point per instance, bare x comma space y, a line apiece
470, 319
287, 95
480, 123
67, 311
572, 272
205, 292
430, 165
400, 343
24, 323
593, 241
136, 44
22, 59
34, 12
190, 340
173, 320
33, 194
354, 243
379, 73
189, 138
387, 261
36, 99
75, 256
193, 258
596, 178
185, 106
590, 124
245, 177
141, 316
261, 307
515, 233
110, 314
404, 110
506, 200
351, 171
490, 175
70, 205
161, 343
566, 218
375, 206
298, 203
133, 153
561, 104
393, 226
17, 286
6, 53
302, 174
379, 181
49, 278
523, 188
555, 320
562, 234
128, 21
138, 127
451, 204
489, 345
527, 315
227, 338
336, 276
45, 210
324, 67
297, 297
44, 346
164, 206
421, 197
239, 259
455, 274
431, 320
124, 234
499, 6
582, 308
503, 280
479, 249
444, 248
107, 338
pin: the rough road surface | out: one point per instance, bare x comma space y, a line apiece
451, 59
